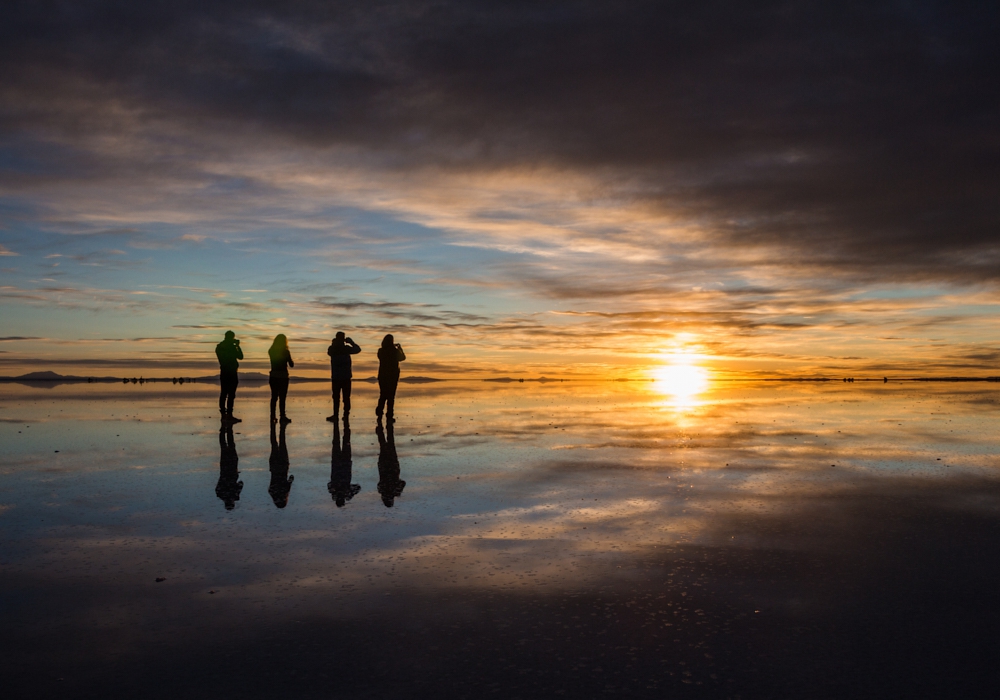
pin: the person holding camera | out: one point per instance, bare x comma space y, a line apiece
340, 351
389, 357
229, 354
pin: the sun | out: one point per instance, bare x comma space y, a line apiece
681, 379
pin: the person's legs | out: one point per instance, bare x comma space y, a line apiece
391, 400
346, 386
282, 395
273, 383
227, 396
338, 386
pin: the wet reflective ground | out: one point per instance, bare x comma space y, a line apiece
511, 541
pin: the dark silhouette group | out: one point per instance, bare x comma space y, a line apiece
390, 354
390, 485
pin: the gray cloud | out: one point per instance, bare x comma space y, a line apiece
854, 137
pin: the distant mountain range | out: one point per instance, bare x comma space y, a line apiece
51, 379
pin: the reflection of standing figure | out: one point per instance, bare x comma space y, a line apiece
340, 486
228, 488
389, 357
281, 482
389, 483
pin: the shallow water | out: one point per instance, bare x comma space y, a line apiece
756, 540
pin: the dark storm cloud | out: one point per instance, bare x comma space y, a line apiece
855, 136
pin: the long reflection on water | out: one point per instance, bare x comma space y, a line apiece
228, 488
390, 486
281, 482
554, 538
341, 467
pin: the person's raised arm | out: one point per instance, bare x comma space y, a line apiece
239, 353
354, 349
400, 353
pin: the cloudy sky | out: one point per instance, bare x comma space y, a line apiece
512, 188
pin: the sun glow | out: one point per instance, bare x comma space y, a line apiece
681, 379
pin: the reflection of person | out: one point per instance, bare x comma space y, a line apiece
389, 483
281, 482
228, 488
389, 357
340, 486
229, 354
281, 360
340, 351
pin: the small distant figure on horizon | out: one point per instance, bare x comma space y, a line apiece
390, 486
340, 351
281, 360
281, 482
340, 487
389, 357
229, 487
229, 354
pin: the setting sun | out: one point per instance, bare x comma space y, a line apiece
681, 380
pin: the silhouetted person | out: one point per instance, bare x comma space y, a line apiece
389, 483
228, 488
229, 354
340, 351
340, 486
281, 482
389, 357
281, 360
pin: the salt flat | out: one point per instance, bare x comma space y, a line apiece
756, 540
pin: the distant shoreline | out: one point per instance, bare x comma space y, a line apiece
49, 377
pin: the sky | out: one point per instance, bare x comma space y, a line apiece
573, 189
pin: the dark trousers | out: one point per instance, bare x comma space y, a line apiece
279, 390
341, 386
228, 382
386, 395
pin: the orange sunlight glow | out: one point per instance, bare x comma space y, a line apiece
680, 378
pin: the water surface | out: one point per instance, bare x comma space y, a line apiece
522, 540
